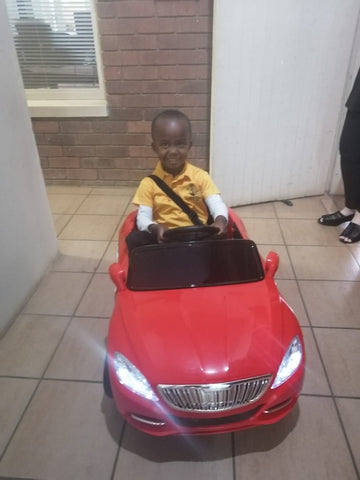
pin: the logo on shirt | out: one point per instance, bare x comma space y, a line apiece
193, 190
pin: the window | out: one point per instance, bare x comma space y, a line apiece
55, 43
194, 264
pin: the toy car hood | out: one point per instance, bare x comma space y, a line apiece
203, 335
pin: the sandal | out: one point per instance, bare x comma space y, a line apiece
351, 234
335, 219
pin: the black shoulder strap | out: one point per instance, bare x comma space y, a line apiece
178, 200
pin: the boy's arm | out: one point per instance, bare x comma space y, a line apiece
221, 223
144, 218
143, 198
158, 229
218, 211
145, 222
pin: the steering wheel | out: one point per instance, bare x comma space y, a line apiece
188, 234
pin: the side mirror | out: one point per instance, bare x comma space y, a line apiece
117, 276
271, 264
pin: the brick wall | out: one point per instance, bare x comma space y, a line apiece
156, 54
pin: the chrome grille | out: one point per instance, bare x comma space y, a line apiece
215, 397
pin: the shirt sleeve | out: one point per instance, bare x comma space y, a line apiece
208, 187
216, 206
144, 218
144, 195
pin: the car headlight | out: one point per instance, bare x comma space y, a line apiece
289, 363
129, 376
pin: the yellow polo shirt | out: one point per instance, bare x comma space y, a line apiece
193, 185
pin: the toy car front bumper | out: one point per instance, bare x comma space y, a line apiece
157, 418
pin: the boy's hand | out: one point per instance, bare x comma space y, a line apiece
158, 229
221, 223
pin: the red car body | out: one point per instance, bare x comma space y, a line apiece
210, 354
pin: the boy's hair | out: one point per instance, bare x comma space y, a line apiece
167, 114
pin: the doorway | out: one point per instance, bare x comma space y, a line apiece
280, 78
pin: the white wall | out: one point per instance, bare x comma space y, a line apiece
27, 238
280, 72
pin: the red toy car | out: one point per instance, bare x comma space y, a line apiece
200, 340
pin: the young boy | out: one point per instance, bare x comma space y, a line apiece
171, 141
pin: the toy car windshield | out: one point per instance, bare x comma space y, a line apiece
194, 264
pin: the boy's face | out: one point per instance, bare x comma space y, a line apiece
171, 142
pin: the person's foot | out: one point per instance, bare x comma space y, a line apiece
335, 219
351, 234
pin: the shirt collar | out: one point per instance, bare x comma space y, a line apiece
160, 172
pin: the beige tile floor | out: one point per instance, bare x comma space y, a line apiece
56, 424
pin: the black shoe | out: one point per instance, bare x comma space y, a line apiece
334, 219
351, 234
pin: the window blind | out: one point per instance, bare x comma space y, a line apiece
54, 42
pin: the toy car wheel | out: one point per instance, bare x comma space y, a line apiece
106, 379
188, 234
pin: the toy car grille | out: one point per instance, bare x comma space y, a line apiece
215, 397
